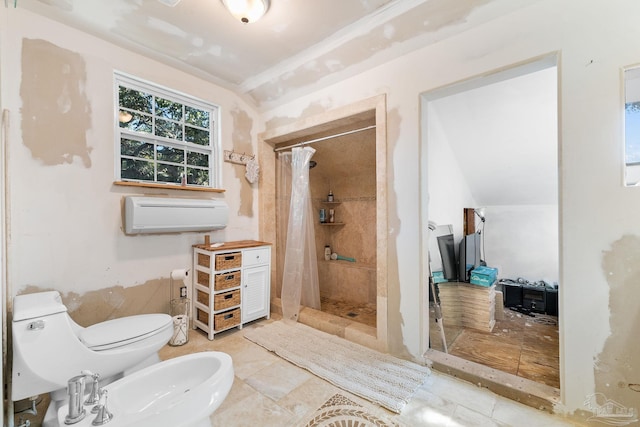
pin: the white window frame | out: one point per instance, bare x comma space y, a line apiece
213, 150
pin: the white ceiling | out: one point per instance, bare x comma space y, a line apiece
298, 46
505, 138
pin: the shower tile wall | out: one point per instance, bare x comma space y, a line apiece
343, 280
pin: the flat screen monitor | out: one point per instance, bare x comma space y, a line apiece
447, 249
468, 256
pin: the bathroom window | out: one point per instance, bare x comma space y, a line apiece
632, 126
164, 136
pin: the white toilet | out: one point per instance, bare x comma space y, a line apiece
49, 348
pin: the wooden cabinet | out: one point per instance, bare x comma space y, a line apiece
231, 285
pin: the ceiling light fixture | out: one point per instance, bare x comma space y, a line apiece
247, 11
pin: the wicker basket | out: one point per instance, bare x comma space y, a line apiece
226, 320
226, 300
203, 278
228, 261
227, 281
202, 316
204, 260
202, 297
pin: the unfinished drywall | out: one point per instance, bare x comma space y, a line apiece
594, 207
55, 110
396, 337
310, 110
114, 302
241, 139
617, 366
430, 19
65, 217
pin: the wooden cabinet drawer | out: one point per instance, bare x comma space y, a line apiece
255, 257
202, 278
202, 316
226, 300
204, 260
227, 280
226, 320
202, 297
228, 261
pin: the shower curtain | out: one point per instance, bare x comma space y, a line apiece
300, 271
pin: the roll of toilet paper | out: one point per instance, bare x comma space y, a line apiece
180, 330
179, 274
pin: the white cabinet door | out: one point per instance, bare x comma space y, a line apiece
255, 292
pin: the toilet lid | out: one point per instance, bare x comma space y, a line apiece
39, 304
118, 332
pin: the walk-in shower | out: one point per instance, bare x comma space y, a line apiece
346, 167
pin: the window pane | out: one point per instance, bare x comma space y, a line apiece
169, 173
138, 123
197, 176
197, 159
197, 136
168, 129
168, 109
169, 154
632, 132
136, 169
129, 147
196, 117
135, 100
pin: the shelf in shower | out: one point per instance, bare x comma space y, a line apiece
331, 203
332, 223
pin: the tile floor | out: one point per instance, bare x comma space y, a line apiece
268, 391
361, 313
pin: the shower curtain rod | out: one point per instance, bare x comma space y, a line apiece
299, 144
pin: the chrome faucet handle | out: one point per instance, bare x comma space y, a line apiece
103, 416
94, 395
75, 392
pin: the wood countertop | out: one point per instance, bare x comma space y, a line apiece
238, 244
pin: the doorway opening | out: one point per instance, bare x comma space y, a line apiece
353, 285
490, 151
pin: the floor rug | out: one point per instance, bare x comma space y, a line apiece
339, 411
380, 378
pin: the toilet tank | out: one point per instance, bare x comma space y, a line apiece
40, 304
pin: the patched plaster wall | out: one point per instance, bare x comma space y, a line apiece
54, 103
65, 218
65, 214
594, 40
617, 366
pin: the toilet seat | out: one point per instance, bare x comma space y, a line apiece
124, 331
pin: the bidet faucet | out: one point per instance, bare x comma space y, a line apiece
75, 391
103, 416
94, 394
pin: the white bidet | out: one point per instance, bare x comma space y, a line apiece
180, 392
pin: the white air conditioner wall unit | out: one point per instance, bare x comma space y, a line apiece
173, 215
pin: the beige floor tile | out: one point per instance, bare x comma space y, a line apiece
463, 416
239, 391
512, 413
278, 379
463, 393
254, 410
269, 391
307, 397
426, 408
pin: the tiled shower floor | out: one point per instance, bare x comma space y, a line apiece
361, 313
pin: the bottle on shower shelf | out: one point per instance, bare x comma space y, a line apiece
330, 196
332, 215
327, 253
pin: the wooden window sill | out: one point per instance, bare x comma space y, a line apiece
167, 186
